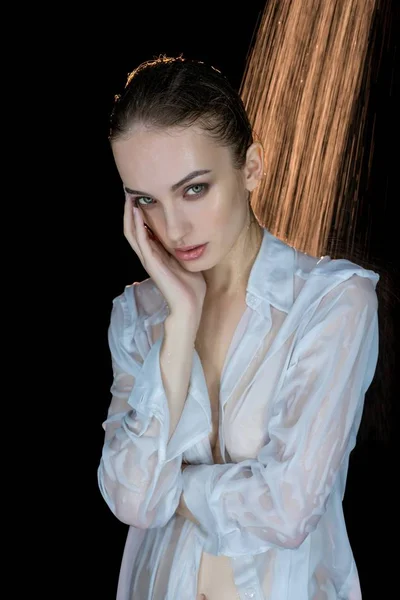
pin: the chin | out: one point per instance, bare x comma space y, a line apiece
191, 266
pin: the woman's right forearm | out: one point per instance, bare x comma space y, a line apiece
176, 358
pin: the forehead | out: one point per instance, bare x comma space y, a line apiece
167, 154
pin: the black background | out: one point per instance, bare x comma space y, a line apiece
95, 52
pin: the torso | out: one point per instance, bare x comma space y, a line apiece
215, 333
217, 326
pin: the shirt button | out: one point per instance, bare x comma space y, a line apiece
250, 593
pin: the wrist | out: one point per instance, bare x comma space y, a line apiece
185, 322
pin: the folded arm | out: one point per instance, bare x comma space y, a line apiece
140, 468
278, 498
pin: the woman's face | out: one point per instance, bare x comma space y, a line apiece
187, 189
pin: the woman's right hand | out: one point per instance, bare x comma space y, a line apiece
181, 289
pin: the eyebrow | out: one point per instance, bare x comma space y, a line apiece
175, 186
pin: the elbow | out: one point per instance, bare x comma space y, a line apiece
294, 540
291, 539
129, 508
142, 505
298, 530
129, 515
125, 505
135, 510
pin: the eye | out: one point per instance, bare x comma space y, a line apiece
139, 198
197, 189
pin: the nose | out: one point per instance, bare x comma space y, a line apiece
177, 227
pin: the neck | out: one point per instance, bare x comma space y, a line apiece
231, 275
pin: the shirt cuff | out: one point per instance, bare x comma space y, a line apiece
148, 399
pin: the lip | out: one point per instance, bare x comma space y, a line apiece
193, 253
186, 248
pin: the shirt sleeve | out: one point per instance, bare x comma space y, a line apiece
278, 498
139, 474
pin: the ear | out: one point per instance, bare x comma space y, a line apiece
254, 166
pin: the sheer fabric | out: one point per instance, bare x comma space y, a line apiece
291, 398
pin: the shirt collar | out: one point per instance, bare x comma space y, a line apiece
271, 276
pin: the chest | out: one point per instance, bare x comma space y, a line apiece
216, 330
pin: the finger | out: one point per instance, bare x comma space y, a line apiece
130, 228
150, 248
152, 252
142, 236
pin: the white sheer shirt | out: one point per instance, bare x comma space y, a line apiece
291, 399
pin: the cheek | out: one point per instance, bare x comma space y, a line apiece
158, 228
229, 208
153, 224
222, 218
224, 206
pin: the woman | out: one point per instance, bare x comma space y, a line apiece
240, 368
